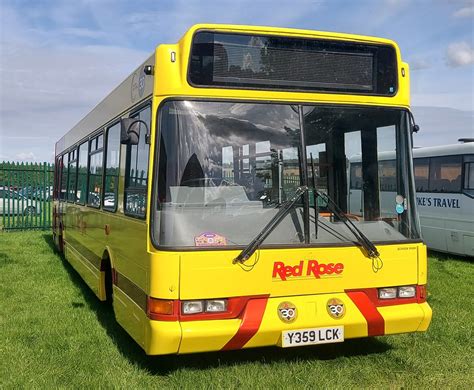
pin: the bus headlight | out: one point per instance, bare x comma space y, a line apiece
216, 305
406, 291
192, 307
387, 293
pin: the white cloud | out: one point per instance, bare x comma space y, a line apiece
25, 156
465, 12
419, 64
459, 54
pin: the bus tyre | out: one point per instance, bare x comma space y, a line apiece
109, 292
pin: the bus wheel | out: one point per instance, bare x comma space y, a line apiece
60, 245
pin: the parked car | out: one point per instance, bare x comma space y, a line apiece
42, 193
26, 191
13, 203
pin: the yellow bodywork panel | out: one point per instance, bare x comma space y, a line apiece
173, 75
201, 336
90, 275
211, 274
406, 318
213, 335
312, 313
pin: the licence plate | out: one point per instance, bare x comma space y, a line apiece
295, 338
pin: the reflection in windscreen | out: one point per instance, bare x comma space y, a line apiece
226, 168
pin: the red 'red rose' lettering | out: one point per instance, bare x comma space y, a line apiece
298, 269
279, 269
314, 268
338, 268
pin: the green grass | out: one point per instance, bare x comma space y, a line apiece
54, 333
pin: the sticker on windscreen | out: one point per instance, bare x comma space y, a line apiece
210, 239
399, 208
401, 204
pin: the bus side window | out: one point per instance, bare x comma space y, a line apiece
72, 171
63, 190
136, 177
59, 172
82, 173
112, 169
95, 171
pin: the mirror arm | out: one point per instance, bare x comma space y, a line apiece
414, 127
147, 133
128, 128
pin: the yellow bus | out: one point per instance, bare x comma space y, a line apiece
207, 196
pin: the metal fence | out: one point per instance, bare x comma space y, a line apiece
26, 192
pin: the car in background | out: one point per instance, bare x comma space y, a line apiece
14, 203
42, 193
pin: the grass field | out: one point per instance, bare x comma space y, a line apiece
54, 333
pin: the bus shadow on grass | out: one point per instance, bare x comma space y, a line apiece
164, 365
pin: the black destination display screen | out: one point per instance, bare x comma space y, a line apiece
287, 63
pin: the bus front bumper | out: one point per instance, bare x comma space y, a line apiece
261, 325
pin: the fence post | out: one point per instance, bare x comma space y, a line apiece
4, 193
9, 194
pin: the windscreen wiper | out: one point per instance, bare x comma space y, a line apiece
368, 245
270, 226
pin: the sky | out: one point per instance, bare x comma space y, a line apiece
59, 58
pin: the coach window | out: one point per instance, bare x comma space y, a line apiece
95, 171
137, 169
112, 162
72, 172
82, 173
445, 174
421, 166
469, 174
388, 176
356, 176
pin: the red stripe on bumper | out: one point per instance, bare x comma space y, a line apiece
375, 321
251, 321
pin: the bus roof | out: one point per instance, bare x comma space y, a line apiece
122, 98
444, 150
287, 31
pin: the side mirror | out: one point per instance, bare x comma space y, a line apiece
130, 131
413, 126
